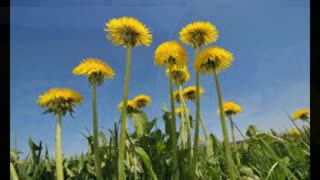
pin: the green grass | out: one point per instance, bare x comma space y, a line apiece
148, 155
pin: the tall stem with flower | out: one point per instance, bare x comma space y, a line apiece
230, 163
173, 131
129, 32
183, 120
197, 34
186, 116
179, 76
172, 55
231, 109
123, 119
58, 102
96, 71
214, 60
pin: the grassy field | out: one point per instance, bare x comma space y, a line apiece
263, 155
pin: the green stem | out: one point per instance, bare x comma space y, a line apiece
13, 172
135, 167
59, 161
182, 120
121, 168
232, 131
97, 160
235, 125
308, 121
174, 134
295, 124
304, 137
203, 128
196, 133
188, 123
230, 164
234, 141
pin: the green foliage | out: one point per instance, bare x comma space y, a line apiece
264, 156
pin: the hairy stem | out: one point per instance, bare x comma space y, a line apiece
234, 141
235, 125
182, 120
196, 132
59, 161
189, 146
230, 164
203, 128
121, 168
173, 132
97, 160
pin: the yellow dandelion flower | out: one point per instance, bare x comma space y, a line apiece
176, 96
58, 100
197, 34
179, 75
189, 93
200, 140
171, 53
302, 114
294, 131
95, 69
131, 106
213, 58
178, 111
142, 101
128, 31
231, 108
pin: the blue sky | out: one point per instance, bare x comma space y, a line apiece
270, 41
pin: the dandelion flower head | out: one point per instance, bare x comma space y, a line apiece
170, 53
142, 101
178, 111
302, 114
231, 108
176, 96
189, 93
95, 69
294, 131
213, 59
179, 75
59, 100
128, 31
131, 106
198, 34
